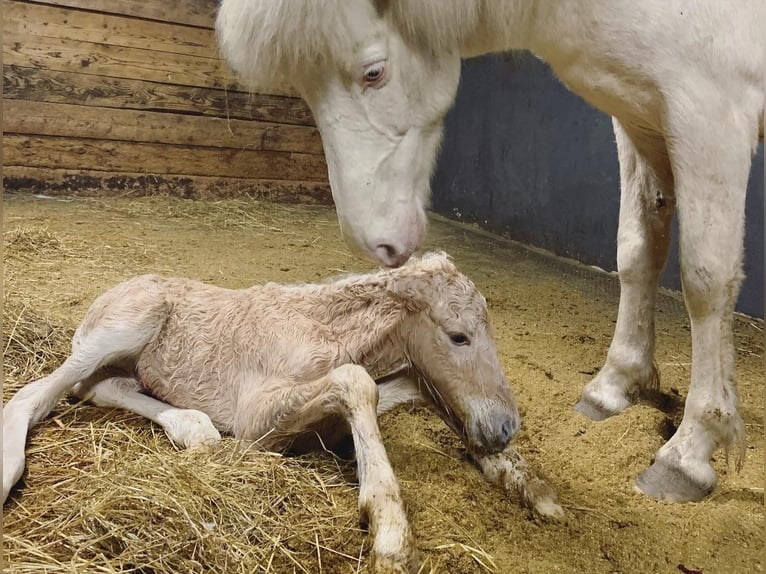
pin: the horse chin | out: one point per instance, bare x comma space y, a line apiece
355, 243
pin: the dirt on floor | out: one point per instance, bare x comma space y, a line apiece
553, 323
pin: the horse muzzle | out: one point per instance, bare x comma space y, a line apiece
492, 427
389, 240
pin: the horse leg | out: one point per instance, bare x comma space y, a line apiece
511, 472
291, 410
646, 210
711, 155
186, 428
398, 390
117, 326
34, 401
506, 469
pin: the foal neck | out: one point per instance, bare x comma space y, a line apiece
363, 317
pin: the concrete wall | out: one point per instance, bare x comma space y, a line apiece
525, 157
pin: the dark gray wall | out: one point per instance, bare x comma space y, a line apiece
525, 157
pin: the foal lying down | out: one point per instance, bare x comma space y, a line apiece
278, 364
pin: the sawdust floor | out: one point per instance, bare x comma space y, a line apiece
553, 322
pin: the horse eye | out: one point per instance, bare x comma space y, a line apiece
459, 339
374, 73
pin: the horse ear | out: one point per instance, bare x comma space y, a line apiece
381, 6
415, 289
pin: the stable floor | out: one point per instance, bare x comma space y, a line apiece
104, 491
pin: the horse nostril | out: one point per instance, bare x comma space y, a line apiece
509, 430
391, 255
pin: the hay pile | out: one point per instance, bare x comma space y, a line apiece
105, 491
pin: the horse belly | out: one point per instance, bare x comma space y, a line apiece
188, 376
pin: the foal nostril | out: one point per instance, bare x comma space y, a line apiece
497, 431
391, 255
509, 430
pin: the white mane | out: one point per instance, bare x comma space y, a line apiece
273, 42
270, 43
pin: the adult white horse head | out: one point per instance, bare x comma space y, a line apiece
378, 97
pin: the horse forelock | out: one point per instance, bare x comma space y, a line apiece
272, 42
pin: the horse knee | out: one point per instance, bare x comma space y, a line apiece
355, 388
710, 287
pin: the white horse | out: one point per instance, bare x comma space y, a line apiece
684, 83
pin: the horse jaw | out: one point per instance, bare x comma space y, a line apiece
381, 143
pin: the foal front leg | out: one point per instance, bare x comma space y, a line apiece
348, 391
646, 209
507, 469
511, 472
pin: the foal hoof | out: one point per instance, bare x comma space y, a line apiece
395, 565
667, 482
593, 410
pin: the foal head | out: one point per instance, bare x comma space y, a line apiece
448, 340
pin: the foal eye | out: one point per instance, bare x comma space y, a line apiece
374, 73
459, 339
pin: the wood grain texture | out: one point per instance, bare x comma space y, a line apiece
199, 13
131, 97
35, 84
91, 183
45, 21
67, 55
51, 119
149, 158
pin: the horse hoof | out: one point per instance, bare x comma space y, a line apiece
406, 563
549, 509
667, 482
592, 410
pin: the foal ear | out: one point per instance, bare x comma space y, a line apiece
416, 290
380, 6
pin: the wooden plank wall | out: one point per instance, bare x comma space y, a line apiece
111, 97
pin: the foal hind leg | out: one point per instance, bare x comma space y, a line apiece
186, 428
34, 401
117, 326
646, 210
711, 167
287, 411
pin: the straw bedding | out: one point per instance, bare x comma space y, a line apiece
105, 491
112, 495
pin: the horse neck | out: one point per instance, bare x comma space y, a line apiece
509, 25
364, 319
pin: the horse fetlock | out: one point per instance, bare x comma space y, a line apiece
394, 551
405, 563
382, 511
613, 390
542, 498
13, 468
725, 425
